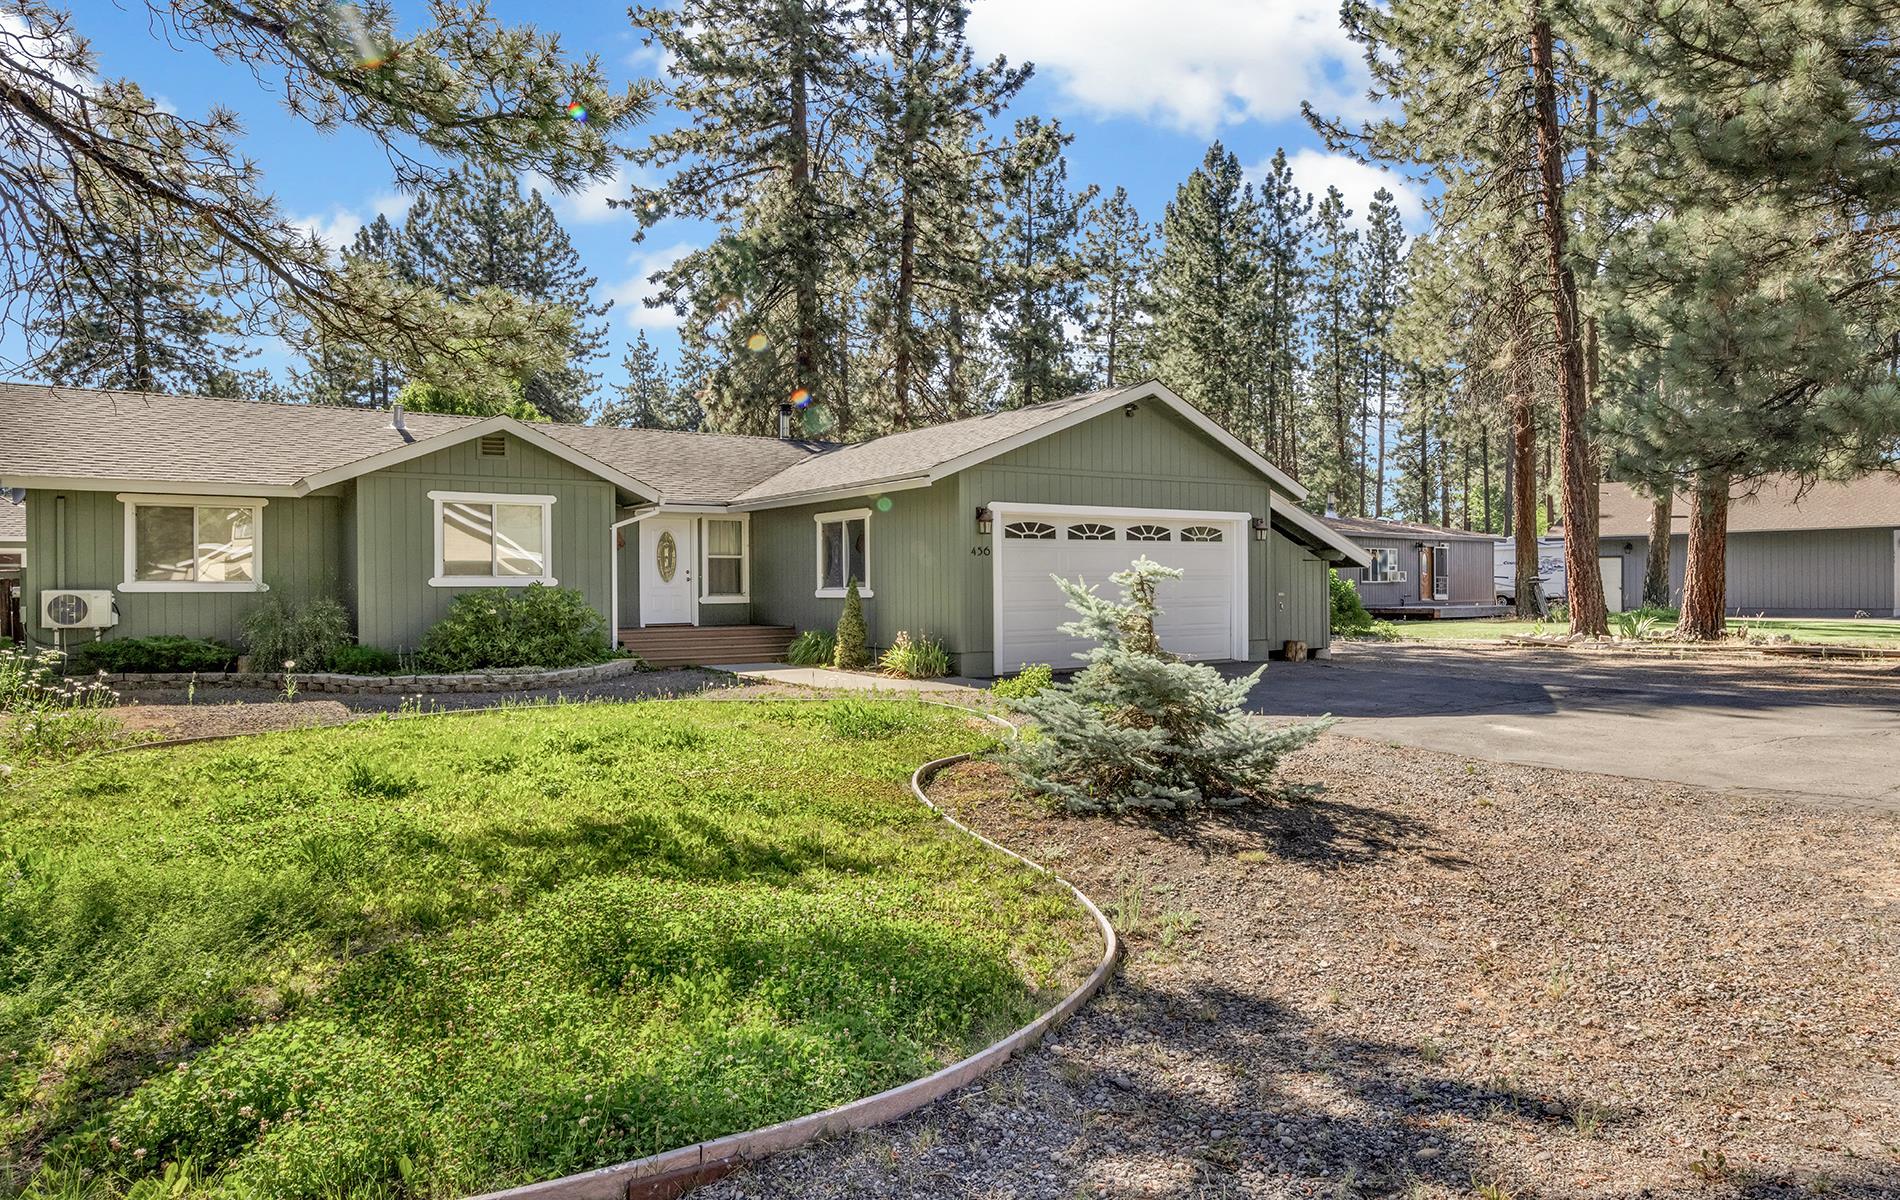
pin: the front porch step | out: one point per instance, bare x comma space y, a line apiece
687, 645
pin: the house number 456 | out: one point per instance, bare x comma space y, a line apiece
980, 551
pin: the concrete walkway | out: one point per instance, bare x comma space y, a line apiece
849, 681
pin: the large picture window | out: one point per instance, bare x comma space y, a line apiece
844, 551
1384, 567
192, 543
725, 573
492, 540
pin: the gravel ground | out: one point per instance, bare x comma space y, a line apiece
219, 710
1432, 977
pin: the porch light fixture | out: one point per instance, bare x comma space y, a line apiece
1259, 527
983, 520
1629, 547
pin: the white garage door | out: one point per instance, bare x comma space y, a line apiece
1203, 613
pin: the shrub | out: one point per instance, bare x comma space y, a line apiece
1031, 679
1137, 728
153, 655
306, 633
812, 648
363, 660
1349, 611
851, 653
537, 626
920, 658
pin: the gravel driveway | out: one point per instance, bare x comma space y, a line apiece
1440, 978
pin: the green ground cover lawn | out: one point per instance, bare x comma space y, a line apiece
430, 957
1842, 631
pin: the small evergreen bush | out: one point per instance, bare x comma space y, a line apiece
537, 626
163, 654
363, 660
306, 633
1138, 728
1032, 679
812, 648
852, 652
915, 658
1349, 611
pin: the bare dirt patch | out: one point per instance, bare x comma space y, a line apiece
1437, 978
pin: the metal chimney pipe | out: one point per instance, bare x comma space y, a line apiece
785, 421
395, 417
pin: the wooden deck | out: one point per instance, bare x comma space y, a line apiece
708, 645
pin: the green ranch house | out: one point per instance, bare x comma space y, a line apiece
152, 514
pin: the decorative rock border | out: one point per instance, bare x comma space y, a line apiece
673, 1173
510, 679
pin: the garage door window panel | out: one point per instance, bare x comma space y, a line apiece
1091, 531
1150, 533
1034, 531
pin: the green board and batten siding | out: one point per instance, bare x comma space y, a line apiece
395, 542
302, 545
938, 580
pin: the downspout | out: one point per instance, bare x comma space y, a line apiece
613, 559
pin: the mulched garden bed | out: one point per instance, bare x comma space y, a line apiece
1432, 977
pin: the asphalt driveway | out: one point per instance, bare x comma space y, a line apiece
1814, 730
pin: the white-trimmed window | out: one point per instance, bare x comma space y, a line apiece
193, 544
724, 574
844, 551
1384, 567
493, 539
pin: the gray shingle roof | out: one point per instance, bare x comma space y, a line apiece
12, 521
687, 468
188, 439
1370, 527
913, 452
1769, 505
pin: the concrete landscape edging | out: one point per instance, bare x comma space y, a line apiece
511, 679
673, 1173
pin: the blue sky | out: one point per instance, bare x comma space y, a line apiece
1144, 87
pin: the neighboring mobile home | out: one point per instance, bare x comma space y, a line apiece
1421, 570
1831, 552
12, 557
182, 510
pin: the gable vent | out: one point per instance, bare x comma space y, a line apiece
494, 445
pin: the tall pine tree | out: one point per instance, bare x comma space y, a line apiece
1286, 220
1118, 256
1334, 435
1382, 289
1207, 293
483, 231
1039, 273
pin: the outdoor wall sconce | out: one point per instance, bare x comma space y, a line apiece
1259, 526
1629, 547
983, 520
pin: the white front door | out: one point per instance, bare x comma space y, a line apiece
1203, 613
1612, 571
667, 556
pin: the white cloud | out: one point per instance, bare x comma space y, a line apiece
337, 228
588, 205
1196, 64
631, 294
1316, 170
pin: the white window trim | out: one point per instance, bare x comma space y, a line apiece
133, 501
546, 503
1378, 555
744, 595
819, 521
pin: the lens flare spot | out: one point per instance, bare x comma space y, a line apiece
576, 111
883, 504
757, 342
816, 420
801, 397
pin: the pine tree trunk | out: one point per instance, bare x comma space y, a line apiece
1524, 501
143, 380
805, 204
1378, 495
1464, 455
1587, 611
906, 236
1484, 460
1656, 566
1705, 583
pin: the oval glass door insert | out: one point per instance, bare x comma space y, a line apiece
666, 556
